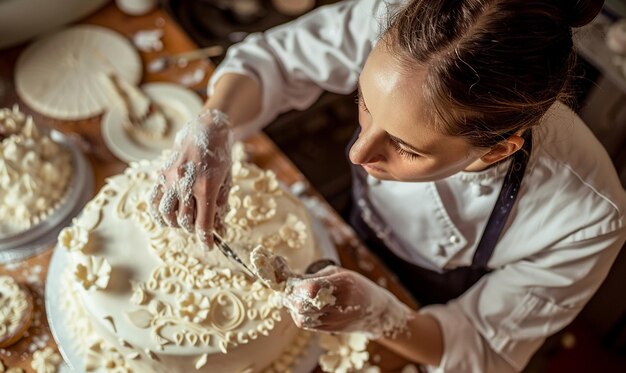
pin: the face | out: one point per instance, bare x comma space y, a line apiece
396, 141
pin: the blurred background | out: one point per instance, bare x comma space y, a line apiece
596, 341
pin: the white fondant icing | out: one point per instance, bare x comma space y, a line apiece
172, 300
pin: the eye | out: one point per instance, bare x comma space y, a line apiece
403, 153
358, 99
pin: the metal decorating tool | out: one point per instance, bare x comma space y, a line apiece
163, 62
230, 253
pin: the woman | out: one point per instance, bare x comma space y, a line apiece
490, 198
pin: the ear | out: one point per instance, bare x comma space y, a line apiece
503, 149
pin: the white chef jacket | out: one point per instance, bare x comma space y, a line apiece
562, 236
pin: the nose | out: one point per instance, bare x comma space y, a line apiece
366, 149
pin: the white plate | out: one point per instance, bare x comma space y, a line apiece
179, 105
68, 347
64, 75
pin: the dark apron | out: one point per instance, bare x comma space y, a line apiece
427, 286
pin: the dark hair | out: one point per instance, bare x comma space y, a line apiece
494, 67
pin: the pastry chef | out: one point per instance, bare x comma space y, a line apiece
489, 198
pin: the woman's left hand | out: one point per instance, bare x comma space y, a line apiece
340, 300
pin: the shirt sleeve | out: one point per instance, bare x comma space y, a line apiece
499, 323
295, 62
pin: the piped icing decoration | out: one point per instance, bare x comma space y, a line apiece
190, 299
73, 238
34, 172
267, 183
294, 232
193, 307
140, 296
102, 355
46, 360
201, 361
92, 273
345, 352
259, 207
111, 322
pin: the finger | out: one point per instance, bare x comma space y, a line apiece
312, 322
222, 208
307, 288
168, 207
205, 204
187, 215
156, 194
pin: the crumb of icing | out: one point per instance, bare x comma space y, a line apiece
324, 297
46, 360
148, 40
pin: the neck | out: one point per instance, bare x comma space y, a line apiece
479, 165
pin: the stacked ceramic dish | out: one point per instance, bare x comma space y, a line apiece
44, 182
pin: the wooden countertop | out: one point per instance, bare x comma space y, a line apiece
263, 152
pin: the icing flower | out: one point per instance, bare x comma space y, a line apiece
234, 201
259, 207
293, 232
271, 241
139, 294
266, 182
46, 360
194, 307
13, 305
239, 171
93, 273
344, 352
103, 355
73, 238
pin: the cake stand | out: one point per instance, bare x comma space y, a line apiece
67, 344
39, 237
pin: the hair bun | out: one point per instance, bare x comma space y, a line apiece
581, 12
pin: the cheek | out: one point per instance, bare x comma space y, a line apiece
426, 169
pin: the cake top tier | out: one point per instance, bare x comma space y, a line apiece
161, 288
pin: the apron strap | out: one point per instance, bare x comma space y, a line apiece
504, 204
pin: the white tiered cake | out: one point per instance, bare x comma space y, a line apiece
143, 298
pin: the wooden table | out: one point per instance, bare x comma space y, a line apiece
263, 152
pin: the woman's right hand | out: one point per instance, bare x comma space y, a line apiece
193, 186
